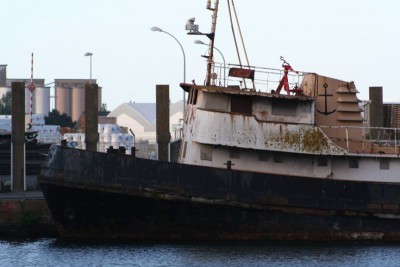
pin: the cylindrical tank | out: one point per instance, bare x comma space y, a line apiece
3, 75
63, 100
4, 90
41, 100
27, 100
78, 103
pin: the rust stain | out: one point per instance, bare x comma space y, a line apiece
310, 140
264, 115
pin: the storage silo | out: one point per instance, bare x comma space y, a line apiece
3, 75
27, 100
78, 102
41, 100
4, 90
63, 99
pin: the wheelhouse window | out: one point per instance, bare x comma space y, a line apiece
278, 157
241, 104
234, 153
353, 163
216, 102
284, 107
384, 164
206, 153
322, 161
263, 155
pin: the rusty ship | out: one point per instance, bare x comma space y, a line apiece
293, 160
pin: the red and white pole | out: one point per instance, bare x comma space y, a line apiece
31, 88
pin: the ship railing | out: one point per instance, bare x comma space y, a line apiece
265, 79
382, 137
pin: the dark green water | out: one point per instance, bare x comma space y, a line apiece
50, 252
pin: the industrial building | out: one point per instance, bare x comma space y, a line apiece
380, 114
141, 119
70, 96
391, 115
40, 96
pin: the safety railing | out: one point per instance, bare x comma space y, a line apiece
376, 136
264, 80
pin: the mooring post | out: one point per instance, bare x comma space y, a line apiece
162, 121
18, 136
91, 116
376, 117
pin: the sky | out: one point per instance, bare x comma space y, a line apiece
355, 40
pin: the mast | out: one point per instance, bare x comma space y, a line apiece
210, 60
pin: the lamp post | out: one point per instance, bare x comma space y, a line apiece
223, 58
89, 54
156, 29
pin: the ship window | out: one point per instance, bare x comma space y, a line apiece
206, 153
353, 163
322, 161
278, 157
241, 104
234, 153
384, 164
218, 102
184, 149
263, 156
284, 107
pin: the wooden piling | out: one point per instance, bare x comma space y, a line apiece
18, 135
162, 121
91, 116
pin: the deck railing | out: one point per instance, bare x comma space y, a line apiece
265, 79
379, 136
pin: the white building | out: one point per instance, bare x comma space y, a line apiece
141, 119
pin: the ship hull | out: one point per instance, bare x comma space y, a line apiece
114, 196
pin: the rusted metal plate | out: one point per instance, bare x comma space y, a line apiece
242, 73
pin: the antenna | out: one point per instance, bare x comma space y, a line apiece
212, 39
193, 29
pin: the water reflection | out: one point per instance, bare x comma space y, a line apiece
51, 252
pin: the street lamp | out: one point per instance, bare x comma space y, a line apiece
223, 58
89, 54
156, 29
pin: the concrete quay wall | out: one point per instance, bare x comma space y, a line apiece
25, 218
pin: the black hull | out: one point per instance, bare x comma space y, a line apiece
151, 200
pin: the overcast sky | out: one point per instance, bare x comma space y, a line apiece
355, 40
